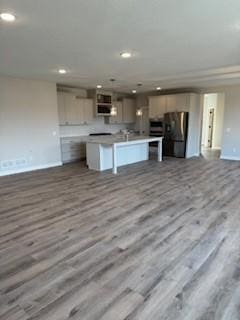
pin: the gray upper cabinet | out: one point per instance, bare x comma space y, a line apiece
88, 113
85, 110
177, 102
74, 110
158, 105
61, 108
118, 118
129, 110
126, 112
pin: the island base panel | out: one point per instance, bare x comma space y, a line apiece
100, 157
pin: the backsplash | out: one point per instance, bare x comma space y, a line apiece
96, 126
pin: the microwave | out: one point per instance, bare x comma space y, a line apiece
104, 110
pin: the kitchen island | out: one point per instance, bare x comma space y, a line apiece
111, 152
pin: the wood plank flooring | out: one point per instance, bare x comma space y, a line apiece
159, 241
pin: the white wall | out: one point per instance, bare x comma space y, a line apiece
194, 126
29, 132
231, 128
218, 121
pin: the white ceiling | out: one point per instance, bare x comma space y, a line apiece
176, 43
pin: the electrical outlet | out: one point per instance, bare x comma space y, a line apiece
5, 164
8, 164
234, 150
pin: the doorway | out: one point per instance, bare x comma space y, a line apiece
212, 125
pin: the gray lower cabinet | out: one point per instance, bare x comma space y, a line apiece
73, 150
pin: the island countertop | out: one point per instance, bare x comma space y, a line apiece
122, 140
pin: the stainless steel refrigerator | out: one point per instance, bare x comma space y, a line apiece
175, 134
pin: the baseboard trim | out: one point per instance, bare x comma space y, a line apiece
28, 169
230, 158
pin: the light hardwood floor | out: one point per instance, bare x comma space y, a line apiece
159, 241
209, 153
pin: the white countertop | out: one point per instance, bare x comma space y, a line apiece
121, 140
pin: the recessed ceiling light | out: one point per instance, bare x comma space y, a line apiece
159, 88
99, 86
62, 71
8, 17
134, 91
126, 54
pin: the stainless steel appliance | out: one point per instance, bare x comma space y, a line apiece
104, 110
155, 130
175, 134
104, 104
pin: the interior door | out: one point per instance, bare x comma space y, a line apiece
210, 127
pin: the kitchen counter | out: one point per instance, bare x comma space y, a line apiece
109, 152
121, 139
109, 139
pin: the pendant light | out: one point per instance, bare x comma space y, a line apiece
113, 108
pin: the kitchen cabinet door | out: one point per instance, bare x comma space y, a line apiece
73, 151
129, 111
87, 110
118, 118
84, 110
72, 109
183, 102
177, 102
157, 107
80, 111
61, 108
